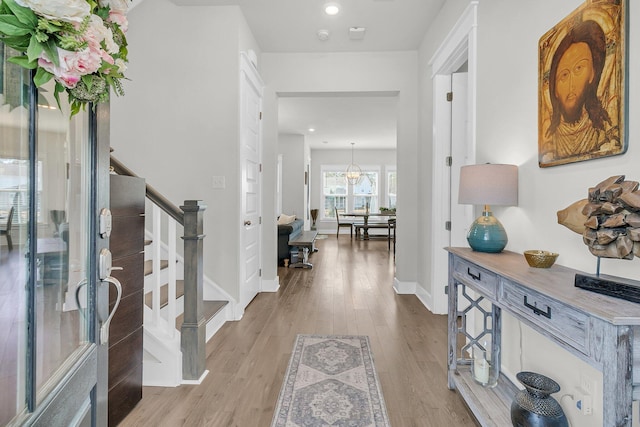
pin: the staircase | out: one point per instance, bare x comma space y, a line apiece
182, 308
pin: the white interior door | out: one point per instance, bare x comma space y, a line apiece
250, 153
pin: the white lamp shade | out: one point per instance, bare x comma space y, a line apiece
488, 184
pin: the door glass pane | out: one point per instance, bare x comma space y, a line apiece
14, 196
62, 238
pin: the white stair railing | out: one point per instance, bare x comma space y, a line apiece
159, 277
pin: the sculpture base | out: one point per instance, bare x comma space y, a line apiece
617, 287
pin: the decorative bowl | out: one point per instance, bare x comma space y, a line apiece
540, 259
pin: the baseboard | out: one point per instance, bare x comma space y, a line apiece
198, 381
404, 288
424, 297
271, 285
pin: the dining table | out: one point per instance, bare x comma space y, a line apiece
365, 223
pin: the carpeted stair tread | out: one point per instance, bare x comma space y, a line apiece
148, 266
164, 294
210, 308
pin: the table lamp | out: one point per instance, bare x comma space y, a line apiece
488, 184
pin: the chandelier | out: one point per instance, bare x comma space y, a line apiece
353, 173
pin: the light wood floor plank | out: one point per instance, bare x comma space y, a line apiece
348, 291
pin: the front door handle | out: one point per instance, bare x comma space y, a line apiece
104, 271
247, 223
104, 328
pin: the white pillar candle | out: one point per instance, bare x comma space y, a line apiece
481, 370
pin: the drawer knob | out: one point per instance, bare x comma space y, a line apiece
536, 310
473, 276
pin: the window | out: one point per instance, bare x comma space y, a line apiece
336, 193
13, 189
365, 193
392, 187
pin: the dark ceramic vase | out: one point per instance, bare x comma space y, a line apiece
534, 406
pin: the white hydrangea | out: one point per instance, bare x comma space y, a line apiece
62, 10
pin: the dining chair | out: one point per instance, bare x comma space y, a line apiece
343, 224
391, 223
7, 230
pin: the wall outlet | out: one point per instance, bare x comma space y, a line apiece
588, 385
585, 404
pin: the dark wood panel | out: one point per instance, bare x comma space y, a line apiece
128, 317
131, 276
127, 195
124, 356
127, 236
125, 336
125, 396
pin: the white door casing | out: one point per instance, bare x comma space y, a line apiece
458, 47
250, 165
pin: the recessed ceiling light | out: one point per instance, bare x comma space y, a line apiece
331, 8
323, 35
312, 129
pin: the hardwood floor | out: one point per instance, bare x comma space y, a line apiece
348, 291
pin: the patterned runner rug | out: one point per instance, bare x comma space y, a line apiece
331, 381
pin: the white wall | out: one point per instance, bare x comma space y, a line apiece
181, 111
364, 158
292, 148
361, 72
507, 132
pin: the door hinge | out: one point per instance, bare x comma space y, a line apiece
447, 225
259, 220
260, 272
260, 168
446, 289
448, 160
449, 96
260, 115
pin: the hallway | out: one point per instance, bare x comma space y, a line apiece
348, 291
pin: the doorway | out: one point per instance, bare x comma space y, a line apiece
316, 132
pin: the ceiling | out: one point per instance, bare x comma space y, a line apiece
367, 121
287, 26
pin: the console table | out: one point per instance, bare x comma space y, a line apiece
596, 328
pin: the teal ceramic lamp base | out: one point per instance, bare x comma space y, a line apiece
487, 234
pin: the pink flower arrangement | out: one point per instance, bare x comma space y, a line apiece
89, 50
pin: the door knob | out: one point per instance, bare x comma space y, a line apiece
247, 223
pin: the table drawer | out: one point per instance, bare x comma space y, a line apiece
559, 320
476, 277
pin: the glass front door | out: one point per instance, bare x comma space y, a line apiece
49, 353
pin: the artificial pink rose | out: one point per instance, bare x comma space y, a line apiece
62, 10
120, 19
61, 74
72, 65
97, 33
85, 61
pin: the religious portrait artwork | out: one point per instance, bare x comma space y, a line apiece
582, 88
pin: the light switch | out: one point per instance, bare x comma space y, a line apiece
218, 182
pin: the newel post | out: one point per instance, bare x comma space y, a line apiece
193, 332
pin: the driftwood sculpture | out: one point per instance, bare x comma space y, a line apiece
608, 219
